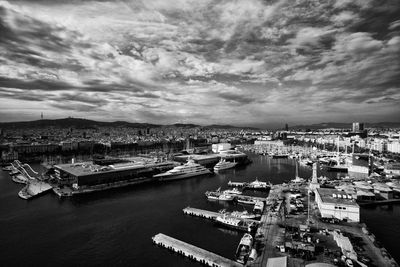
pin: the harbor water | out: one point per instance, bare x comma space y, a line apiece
114, 227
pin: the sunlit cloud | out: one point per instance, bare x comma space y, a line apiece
225, 61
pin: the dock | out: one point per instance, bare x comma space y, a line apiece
192, 252
211, 215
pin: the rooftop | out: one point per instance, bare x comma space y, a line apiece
89, 168
327, 196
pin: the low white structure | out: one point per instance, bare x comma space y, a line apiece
333, 203
216, 148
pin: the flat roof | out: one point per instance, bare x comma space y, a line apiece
277, 262
89, 168
326, 195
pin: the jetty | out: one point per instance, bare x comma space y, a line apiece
211, 215
192, 252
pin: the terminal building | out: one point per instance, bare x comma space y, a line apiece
89, 174
333, 203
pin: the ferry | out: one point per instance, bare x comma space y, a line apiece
189, 169
223, 165
244, 248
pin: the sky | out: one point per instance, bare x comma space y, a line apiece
243, 62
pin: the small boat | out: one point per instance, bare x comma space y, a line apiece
20, 179
256, 184
244, 248
243, 215
7, 168
246, 200
213, 195
234, 191
218, 195
226, 197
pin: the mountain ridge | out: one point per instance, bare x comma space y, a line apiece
86, 123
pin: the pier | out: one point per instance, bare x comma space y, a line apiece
192, 252
211, 215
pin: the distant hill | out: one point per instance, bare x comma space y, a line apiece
72, 122
84, 123
339, 125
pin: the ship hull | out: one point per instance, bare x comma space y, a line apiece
182, 176
235, 227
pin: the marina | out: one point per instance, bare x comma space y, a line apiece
268, 227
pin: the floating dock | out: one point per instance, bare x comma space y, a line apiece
211, 215
192, 252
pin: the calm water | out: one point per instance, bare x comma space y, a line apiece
115, 227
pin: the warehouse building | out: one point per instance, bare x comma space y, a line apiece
333, 203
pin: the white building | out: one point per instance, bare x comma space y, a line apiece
393, 146
216, 148
333, 203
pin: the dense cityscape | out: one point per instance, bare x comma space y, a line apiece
80, 157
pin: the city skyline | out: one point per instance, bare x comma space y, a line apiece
253, 63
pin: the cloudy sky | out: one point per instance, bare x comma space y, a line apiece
243, 62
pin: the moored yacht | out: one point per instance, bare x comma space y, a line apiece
186, 170
223, 165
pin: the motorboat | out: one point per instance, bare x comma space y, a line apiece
244, 248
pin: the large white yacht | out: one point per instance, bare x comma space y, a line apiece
186, 170
223, 165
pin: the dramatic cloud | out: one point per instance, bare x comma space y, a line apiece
247, 62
